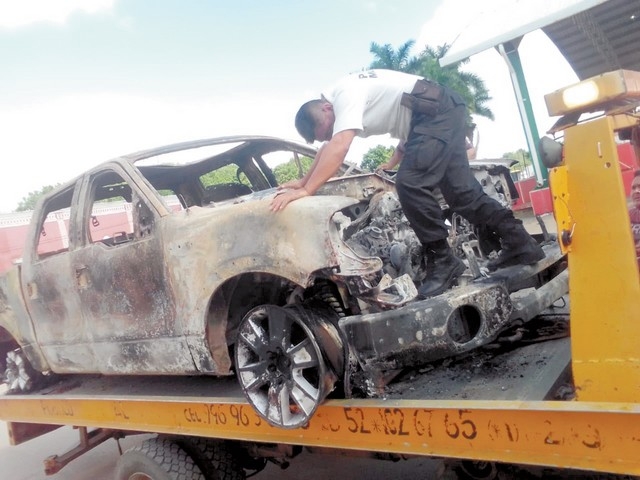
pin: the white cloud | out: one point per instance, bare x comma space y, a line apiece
448, 21
20, 13
52, 142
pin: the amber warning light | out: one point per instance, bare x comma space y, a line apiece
602, 92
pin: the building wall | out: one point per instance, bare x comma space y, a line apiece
13, 234
14, 228
109, 219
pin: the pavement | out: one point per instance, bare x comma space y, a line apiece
25, 462
533, 223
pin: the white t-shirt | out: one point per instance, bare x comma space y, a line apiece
369, 102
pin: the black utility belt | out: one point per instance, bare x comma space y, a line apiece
425, 98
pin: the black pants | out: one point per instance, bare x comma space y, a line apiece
436, 156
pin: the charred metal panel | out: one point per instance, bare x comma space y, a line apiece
384, 294
204, 247
496, 182
165, 297
523, 276
55, 310
124, 292
166, 355
229, 240
248, 141
528, 303
455, 322
15, 319
361, 187
383, 231
527, 373
128, 308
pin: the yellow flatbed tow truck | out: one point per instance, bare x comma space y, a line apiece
469, 409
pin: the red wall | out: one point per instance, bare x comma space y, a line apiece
11, 242
15, 226
524, 188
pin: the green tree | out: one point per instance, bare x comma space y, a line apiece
525, 164
522, 156
289, 170
469, 85
427, 64
387, 57
29, 202
226, 174
376, 156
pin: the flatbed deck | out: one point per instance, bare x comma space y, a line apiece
533, 369
504, 417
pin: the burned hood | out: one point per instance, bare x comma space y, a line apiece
245, 236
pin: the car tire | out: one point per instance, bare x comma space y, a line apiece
287, 361
157, 459
216, 459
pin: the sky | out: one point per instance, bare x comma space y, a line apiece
83, 81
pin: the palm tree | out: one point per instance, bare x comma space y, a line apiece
426, 64
387, 57
467, 84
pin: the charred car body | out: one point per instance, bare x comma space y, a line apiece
203, 279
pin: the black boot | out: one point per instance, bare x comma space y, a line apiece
443, 269
518, 247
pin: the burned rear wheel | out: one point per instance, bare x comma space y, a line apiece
288, 360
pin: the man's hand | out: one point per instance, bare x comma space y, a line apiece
325, 165
396, 158
295, 184
384, 166
283, 198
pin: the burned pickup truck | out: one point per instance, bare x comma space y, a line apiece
169, 262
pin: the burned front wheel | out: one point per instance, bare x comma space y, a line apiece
288, 359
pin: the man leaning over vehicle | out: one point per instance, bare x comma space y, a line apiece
430, 121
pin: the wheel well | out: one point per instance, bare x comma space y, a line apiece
236, 296
7, 343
